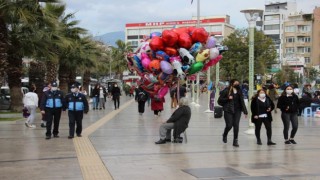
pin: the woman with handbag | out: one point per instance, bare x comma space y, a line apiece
30, 102
261, 107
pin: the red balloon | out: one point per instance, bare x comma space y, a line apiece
199, 35
171, 51
154, 65
156, 44
185, 41
181, 30
170, 38
191, 29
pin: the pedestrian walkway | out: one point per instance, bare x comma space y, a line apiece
122, 143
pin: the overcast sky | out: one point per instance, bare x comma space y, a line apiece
103, 16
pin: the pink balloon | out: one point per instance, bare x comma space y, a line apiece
211, 63
163, 91
166, 67
145, 60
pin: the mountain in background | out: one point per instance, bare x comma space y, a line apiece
111, 38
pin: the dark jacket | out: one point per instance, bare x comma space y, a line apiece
180, 118
305, 101
228, 104
77, 102
115, 92
52, 99
292, 102
137, 91
256, 111
95, 92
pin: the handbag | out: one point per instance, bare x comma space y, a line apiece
25, 112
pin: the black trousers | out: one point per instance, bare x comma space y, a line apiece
141, 105
286, 119
232, 121
267, 124
75, 118
116, 101
156, 112
53, 114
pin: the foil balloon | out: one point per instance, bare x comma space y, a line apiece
185, 68
170, 51
152, 78
195, 48
185, 40
170, 38
191, 29
196, 67
162, 56
137, 63
211, 42
176, 63
203, 55
187, 58
166, 67
199, 35
163, 91
154, 65
156, 44
144, 48
155, 34
145, 60
181, 30
214, 52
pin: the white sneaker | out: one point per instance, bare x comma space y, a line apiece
32, 126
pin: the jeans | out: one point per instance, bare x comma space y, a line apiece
75, 118
286, 119
232, 121
53, 114
267, 124
165, 130
95, 101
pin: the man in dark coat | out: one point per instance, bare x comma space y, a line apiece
178, 121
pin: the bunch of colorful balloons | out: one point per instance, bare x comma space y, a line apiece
172, 55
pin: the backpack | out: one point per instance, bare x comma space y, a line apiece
142, 96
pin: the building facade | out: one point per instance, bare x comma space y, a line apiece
219, 26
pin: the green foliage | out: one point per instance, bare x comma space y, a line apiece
118, 54
286, 74
235, 62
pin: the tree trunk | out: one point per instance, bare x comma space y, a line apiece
63, 78
14, 72
37, 73
3, 49
52, 71
86, 79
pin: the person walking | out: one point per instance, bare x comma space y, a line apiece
51, 105
102, 97
157, 105
95, 96
30, 102
231, 99
43, 116
77, 104
178, 121
273, 94
141, 97
261, 107
116, 93
288, 103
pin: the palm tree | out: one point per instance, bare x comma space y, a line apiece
119, 62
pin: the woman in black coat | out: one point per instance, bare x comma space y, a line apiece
261, 107
288, 103
178, 121
231, 98
116, 93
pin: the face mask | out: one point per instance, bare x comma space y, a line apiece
115, 86
237, 86
54, 88
262, 95
73, 90
289, 91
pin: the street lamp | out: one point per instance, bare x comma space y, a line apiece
251, 16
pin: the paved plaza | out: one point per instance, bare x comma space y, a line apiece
119, 144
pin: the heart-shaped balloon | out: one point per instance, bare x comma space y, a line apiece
156, 44
199, 35
170, 38
170, 51
185, 41
181, 30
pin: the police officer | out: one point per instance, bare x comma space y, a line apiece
51, 105
77, 104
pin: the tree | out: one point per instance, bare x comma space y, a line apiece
235, 61
285, 75
118, 54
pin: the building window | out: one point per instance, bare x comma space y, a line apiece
290, 39
304, 28
133, 32
290, 29
272, 17
289, 50
304, 39
133, 43
272, 27
304, 50
307, 60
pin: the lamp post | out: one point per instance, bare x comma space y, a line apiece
251, 16
198, 75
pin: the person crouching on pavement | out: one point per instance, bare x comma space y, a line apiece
77, 104
178, 121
